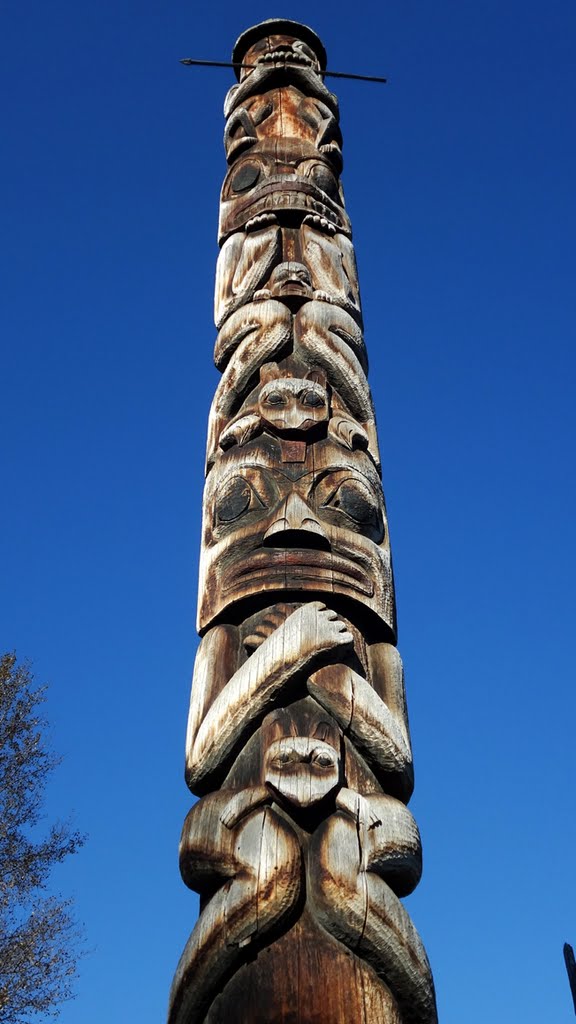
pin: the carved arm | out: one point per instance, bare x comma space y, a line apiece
308, 633
378, 730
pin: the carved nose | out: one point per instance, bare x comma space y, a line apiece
296, 527
295, 273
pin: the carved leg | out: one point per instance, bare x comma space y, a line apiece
264, 858
258, 333
360, 909
328, 337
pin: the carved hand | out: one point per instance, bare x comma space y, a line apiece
316, 628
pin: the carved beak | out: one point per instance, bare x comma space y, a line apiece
297, 527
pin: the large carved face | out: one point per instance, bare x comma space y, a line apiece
283, 179
317, 526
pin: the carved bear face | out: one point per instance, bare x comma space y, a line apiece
290, 404
285, 180
302, 769
300, 753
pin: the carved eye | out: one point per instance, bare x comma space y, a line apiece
323, 759
275, 398
359, 503
313, 400
284, 758
322, 177
233, 499
356, 502
245, 177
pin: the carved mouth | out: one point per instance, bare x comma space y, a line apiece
291, 568
283, 194
286, 57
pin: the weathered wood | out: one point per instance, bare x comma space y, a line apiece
298, 742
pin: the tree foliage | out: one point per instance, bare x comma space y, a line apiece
39, 940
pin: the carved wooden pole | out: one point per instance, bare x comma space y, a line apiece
298, 741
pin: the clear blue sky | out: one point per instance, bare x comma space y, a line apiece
459, 180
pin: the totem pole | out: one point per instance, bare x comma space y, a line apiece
298, 746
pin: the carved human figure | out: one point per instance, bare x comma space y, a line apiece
289, 56
238, 841
318, 337
320, 260
290, 113
227, 705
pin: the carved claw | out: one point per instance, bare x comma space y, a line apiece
260, 221
239, 432
315, 220
323, 297
348, 433
262, 295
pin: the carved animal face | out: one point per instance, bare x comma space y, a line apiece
286, 180
302, 769
290, 405
279, 50
318, 527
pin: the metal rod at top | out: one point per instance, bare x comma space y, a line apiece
230, 64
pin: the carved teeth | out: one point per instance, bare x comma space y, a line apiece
260, 221
285, 57
330, 147
320, 222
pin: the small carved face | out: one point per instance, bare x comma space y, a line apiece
302, 769
292, 405
290, 280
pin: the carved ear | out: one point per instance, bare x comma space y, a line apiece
322, 731
240, 431
338, 404
240, 132
270, 371
348, 433
277, 726
318, 376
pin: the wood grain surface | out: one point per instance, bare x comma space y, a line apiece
301, 844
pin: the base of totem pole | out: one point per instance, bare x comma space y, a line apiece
305, 977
